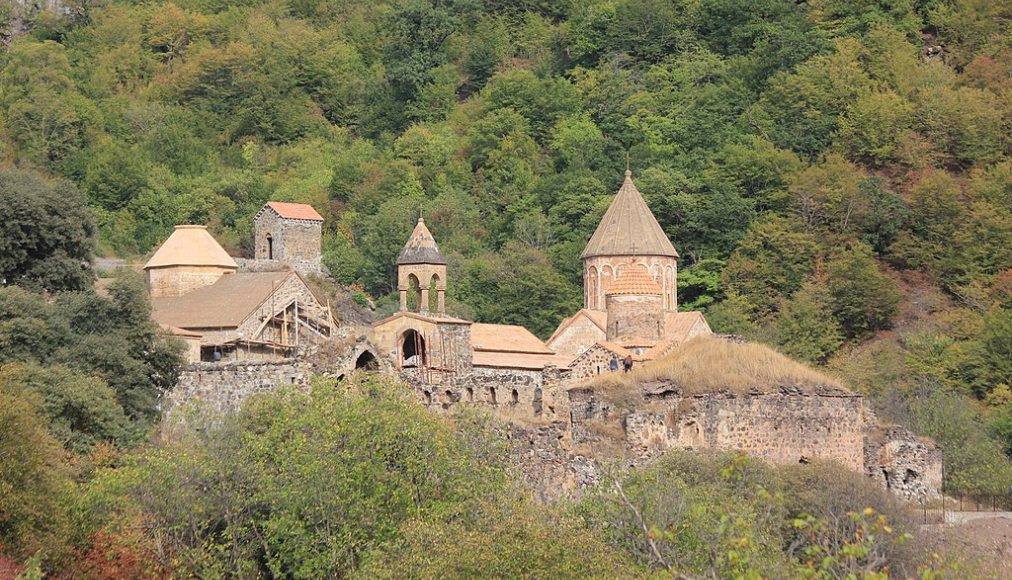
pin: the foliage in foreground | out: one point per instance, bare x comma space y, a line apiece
302, 485
727, 515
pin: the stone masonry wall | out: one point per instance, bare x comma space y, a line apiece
905, 464
778, 427
295, 242
224, 386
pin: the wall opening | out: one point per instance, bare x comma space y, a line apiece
470, 395
413, 350
515, 397
491, 395
433, 304
270, 247
367, 362
447, 398
414, 293
428, 398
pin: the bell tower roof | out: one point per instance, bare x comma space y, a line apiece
629, 228
421, 248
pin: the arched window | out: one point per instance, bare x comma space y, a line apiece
270, 247
592, 288
414, 293
491, 395
515, 397
433, 304
413, 350
605, 279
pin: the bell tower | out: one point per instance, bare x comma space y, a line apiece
421, 269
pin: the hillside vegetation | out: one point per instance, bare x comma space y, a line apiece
834, 174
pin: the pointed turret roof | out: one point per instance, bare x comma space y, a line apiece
629, 228
191, 246
421, 248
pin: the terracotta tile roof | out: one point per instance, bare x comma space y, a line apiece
506, 338
629, 228
224, 304
518, 360
678, 324
421, 247
190, 246
598, 317
295, 211
635, 279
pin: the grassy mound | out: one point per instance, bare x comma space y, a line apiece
708, 364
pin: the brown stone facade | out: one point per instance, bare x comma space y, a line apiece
427, 282
635, 319
599, 272
294, 242
178, 280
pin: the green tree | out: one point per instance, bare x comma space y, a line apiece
864, 300
47, 233
805, 328
770, 264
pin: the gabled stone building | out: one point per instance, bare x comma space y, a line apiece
289, 233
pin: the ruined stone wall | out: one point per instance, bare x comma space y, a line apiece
900, 461
780, 427
295, 242
224, 386
178, 280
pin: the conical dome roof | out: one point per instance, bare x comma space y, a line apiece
629, 228
421, 248
635, 279
191, 246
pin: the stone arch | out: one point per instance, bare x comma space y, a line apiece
367, 361
414, 293
491, 395
656, 273
433, 305
413, 353
606, 278
592, 287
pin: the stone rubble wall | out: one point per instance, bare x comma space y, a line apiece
900, 461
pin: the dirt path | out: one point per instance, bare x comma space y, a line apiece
985, 544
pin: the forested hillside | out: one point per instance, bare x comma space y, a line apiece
835, 174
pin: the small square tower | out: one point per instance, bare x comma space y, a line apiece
289, 233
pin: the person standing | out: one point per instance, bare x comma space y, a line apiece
613, 365
627, 363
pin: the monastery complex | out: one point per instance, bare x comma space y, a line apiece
252, 324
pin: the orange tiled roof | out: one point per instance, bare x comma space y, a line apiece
295, 211
506, 338
635, 280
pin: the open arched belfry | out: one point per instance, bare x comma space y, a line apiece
421, 269
628, 234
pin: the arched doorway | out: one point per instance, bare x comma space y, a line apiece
270, 247
367, 362
413, 350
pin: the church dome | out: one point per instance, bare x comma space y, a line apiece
421, 248
629, 228
635, 280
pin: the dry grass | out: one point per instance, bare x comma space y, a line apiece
709, 364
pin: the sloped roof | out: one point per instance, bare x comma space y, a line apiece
598, 317
635, 280
506, 338
677, 325
421, 247
293, 211
224, 304
518, 360
190, 245
629, 228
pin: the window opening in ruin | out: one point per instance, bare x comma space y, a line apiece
270, 247
598, 369
367, 362
470, 395
448, 397
909, 476
413, 350
491, 395
885, 475
515, 397
428, 398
